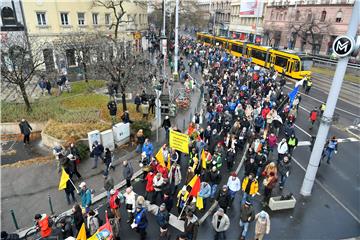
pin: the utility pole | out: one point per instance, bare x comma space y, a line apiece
176, 53
331, 101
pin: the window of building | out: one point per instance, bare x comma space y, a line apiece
281, 16
107, 18
64, 18
237, 48
95, 18
8, 16
272, 14
41, 18
81, 18
285, 13
339, 16
297, 15
277, 16
309, 16
323, 16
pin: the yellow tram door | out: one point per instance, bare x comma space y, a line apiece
289, 67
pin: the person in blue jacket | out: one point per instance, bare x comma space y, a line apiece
140, 221
148, 149
205, 192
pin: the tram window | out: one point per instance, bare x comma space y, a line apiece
296, 66
280, 61
258, 54
236, 48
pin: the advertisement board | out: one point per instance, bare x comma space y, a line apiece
251, 8
179, 141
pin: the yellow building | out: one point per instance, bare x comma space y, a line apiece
46, 20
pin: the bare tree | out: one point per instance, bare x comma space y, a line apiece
269, 33
122, 66
82, 44
118, 10
310, 31
19, 62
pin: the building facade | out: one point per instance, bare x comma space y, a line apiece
308, 25
205, 10
246, 22
11, 21
220, 10
46, 21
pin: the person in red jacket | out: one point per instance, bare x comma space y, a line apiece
163, 170
114, 203
42, 223
313, 117
149, 185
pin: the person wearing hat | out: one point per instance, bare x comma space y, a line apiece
130, 202
221, 223
182, 199
162, 215
234, 185
114, 203
247, 215
85, 195
262, 225
140, 221
223, 198
25, 130
43, 225
166, 124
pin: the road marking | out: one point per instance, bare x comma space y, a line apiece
344, 140
327, 191
349, 131
340, 109
302, 130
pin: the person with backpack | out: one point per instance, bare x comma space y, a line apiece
25, 130
85, 194
313, 117
114, 203
140, 222
92, 222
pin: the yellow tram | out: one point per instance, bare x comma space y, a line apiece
295, 64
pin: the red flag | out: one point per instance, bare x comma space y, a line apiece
196, 188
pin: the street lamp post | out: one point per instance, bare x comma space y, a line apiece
326, 120
176, 53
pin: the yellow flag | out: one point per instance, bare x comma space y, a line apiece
199, 203
169, 163
203, 159
160, 157
82, 233
63, 180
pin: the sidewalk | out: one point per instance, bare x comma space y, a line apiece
26, 189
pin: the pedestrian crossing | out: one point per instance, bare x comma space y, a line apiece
344, 140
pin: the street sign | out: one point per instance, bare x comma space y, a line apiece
343, 46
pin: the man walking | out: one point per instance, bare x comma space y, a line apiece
247, 215
25, 130
221, 223
97, 151
128, 172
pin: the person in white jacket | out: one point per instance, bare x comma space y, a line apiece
262, 225
158, 182
130, 201
221, 223
282, 149
234, 185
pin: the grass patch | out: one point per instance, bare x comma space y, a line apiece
330, 73
71, 115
